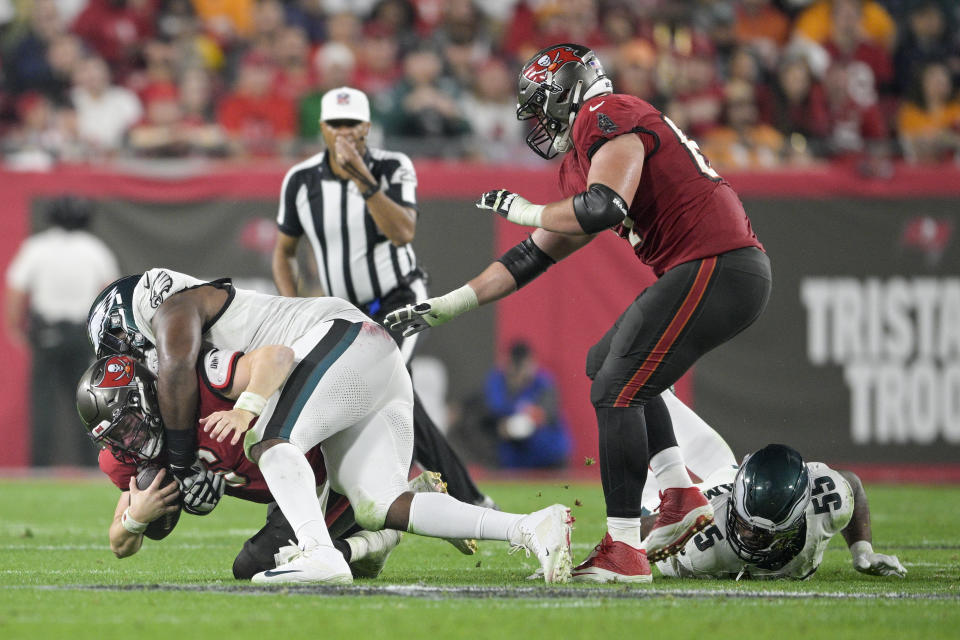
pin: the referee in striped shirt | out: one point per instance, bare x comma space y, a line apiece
358, 209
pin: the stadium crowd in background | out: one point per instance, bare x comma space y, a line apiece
759, 83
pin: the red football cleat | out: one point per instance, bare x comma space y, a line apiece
614, 562
683, 512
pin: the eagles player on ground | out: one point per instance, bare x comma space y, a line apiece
349, 392
774, 517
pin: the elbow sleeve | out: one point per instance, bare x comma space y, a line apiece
599, 208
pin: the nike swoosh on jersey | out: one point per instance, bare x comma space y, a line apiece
597, 106
270, 572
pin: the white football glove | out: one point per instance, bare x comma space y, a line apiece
201, 489
414, 318
875, 564
512, 206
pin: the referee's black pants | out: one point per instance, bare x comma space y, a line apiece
691, 309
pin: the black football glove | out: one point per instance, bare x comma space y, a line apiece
201, 489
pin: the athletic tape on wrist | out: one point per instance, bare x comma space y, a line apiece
252, 402
525, 213
130, 524
861, 548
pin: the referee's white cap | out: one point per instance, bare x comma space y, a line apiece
345, 103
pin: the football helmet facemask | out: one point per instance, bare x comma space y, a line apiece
117, 401
553, 84
111, 327
770, 494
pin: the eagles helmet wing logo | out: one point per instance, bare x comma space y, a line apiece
159, 288
550, 61
117, 372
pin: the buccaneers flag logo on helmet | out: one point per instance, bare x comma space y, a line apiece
551, 61
117, 372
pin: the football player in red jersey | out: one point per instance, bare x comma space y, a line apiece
630, 169
117, 403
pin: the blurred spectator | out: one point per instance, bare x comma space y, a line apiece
117, 30
50, 283
291, 55
178, 24
801, 113
199, 123
696, 89
357, 7
929, 121
535, 25
169, 130
258, 121
25, 59
857, 127
743, 142
378, 68
347, 29
847, 44
398, 18
333, 66
925, 39
762, 26
491, 110
105, 112
63, 55
227, 20
521, 400
424, 106
159, 68
46, 134
816, 23
637, 73
743, 66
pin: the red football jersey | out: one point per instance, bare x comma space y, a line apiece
683, 209
214, 373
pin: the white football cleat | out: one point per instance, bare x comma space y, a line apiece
431, 482
373, 549
316, 565
546, 533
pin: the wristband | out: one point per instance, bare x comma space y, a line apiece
860, 548
131, 525
369, 193
252, 402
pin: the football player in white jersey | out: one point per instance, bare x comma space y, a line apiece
349, 392
773, 518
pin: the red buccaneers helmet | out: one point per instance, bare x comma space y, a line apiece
117, 401
552, 86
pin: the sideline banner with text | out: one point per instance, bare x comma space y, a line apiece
857, 356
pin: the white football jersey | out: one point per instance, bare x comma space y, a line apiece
709, 555
248, 320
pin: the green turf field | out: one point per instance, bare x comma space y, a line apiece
58, 579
